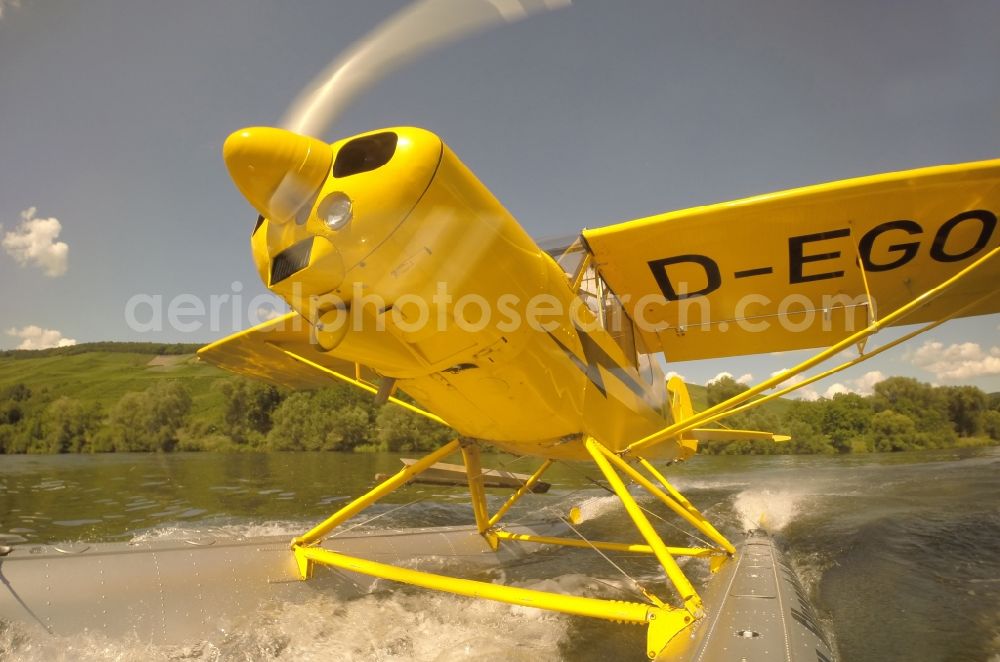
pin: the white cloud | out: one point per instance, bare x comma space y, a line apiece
35, 337
867, 381
676, 374
836, 389
34, 243
721, 375
862, 385
745, 378
805, 393
12, 4
956, 361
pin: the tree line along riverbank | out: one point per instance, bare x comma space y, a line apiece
123, 397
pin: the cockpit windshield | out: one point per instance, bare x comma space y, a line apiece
570, 256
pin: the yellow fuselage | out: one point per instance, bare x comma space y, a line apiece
428, 280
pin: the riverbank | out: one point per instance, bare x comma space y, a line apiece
125, 397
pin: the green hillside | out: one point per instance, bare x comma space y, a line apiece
91, 373
104, 372
104, 397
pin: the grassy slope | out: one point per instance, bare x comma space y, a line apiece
102, 376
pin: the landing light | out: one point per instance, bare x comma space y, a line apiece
335, 210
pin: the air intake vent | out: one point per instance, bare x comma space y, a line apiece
364, 154
290, 261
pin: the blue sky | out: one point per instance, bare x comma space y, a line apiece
113, 113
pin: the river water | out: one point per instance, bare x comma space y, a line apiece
900, 553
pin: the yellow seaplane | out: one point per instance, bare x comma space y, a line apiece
408, 279
405, 275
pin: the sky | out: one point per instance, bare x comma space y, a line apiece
113, 113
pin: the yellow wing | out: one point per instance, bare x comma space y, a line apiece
281, 352
725, 434
260, 352
806, 267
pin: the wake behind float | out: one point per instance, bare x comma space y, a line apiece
186, 590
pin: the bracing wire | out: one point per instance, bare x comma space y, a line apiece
649, 512
642, 590
372, 519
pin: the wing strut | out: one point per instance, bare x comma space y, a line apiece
356, 381
859, 359
870, 308
722, 409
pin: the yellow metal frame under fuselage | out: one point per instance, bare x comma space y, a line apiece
664, 620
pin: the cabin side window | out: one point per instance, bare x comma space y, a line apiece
617, 322
606, 306
575, 261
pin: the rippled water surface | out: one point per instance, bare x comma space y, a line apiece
900, 553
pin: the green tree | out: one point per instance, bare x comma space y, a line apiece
69, 425
328, 419
893, 431
845, 419
725, 388
763, 420
966, 406
150, 420
926, 406
803, 422
16, 393
13, 401
806, 439
249, 405
7, 433
722, 389
27, 436
126, 424
991, 424
10, 412
294, 425
401, 430
354, 424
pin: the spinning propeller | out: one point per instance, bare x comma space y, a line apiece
280, 171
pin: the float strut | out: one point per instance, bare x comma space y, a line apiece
521, 491
474, 472
692, 601
388, 486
